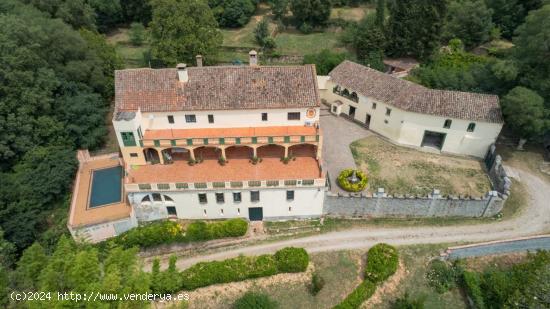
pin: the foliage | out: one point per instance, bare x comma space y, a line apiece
136, 11
30, 264
108, 13
77, 13
345, 184
152, 234
136, 34
470, 21
380, 13
279, 8
509, 14
471, 283
313, 12
382, 262
253, 300
441, 276
291, 260
525, 112
325, 60
317, 283
369, 42
262, 35
7, 252
180, 37
354, 300
233, 13
200, 230
414, 27
406, 302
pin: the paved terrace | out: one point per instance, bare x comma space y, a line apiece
80, 213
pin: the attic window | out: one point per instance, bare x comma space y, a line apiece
447, 124
471, 127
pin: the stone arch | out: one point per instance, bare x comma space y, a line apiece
176, 154
151, 155
271, 151
302, 150
239, 152
208, 153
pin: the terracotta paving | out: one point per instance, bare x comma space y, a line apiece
234, 170
80, 213
230, 132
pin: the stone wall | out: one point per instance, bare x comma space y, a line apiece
497, 174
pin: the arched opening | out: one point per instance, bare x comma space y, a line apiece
271, 151
239, 152
146, 200
151, 155
207, 153
302, 150
353, 96
176, 154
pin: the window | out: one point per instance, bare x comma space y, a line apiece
167, 198
170, 119
289, 209
290, 195
336, 89
221, 212
353, 96
163, 186
294, 116
237, 198
447, 124
128, 139
156, 197
254, 196
238, 211
171, 211
190, 118
181, 185
264, 116
202, 198
210, 118
204, 212
388, 111
373, 105
471, 127
334, 109
140, 134
254, 183
146, 199
133, 154
220, 198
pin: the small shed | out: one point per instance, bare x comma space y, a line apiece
400, 67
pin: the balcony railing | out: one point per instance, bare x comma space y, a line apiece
216, 141
217, 185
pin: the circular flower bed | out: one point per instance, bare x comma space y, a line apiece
344, 180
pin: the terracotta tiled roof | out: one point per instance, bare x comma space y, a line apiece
230, 132
217, 87
416, 98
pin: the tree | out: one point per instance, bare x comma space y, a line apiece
253, 300
180, 37
261, 32
531, 52
279, 8
470, 21
234, 13
7, 252
380, 13
524, 112
507, 15
414, 27
312, 12
136, 34
369, 42
136, 11
108, 13
324, 61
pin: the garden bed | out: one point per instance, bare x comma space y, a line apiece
400, 170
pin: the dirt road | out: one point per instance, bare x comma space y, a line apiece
534, 219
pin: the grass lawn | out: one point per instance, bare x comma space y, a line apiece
402, 170
132, 55
350, 13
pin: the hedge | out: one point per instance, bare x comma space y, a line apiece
242, 268
291, 260
344, 183
253, 300
200, 230
354, 300
471, 284
382, 262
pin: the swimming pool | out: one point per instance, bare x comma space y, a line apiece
106, 186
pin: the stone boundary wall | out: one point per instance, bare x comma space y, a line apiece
497, 174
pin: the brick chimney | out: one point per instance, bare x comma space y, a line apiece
199, 60
182, 72
253, 58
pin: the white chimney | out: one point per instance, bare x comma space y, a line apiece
182, 72
199, 60
253, 58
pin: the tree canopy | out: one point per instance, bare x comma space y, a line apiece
525, 112
470, 21
312, 12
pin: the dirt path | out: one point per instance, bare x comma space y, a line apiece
534, 219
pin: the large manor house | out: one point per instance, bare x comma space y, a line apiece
215, 142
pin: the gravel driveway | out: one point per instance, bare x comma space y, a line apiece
338, 134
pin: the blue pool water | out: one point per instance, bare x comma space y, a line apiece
106, 186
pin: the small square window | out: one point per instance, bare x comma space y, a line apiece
220, 198
294, 116
254, 196
210, 118
237, 198
190, 118
221, 212
373, 105
388, 111
170, 119
471, 127
447, 124
264, 116
290, 195
133, 154
202, 198
171, 210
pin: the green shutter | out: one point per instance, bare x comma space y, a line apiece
157, 143
173, 142
254, 140
287, 139
270, 140
189, 142
302, 139
128, 139
238, 140
316, 138
205, 141
222, 141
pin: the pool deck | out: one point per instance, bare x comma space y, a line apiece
80, 213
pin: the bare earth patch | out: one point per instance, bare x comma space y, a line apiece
402, 170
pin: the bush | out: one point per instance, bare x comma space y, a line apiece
200, 230
406, 302
471, 284
291, 260
441, 276
152, 234
382, 262
252, 300
344, 183
363, 292
306, 28
317, 283
136, 34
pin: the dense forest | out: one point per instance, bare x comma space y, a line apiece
56, 88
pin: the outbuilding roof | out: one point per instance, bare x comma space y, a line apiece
216, 88
412, 97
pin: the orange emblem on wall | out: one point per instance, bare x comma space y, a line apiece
310, 113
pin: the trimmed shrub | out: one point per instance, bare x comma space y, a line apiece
406, 302
197, 231
344, 183
441, 276
152, 234
363, 292
382, 262
472, 285
200, 230
317, 283
252, 300
291, 260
